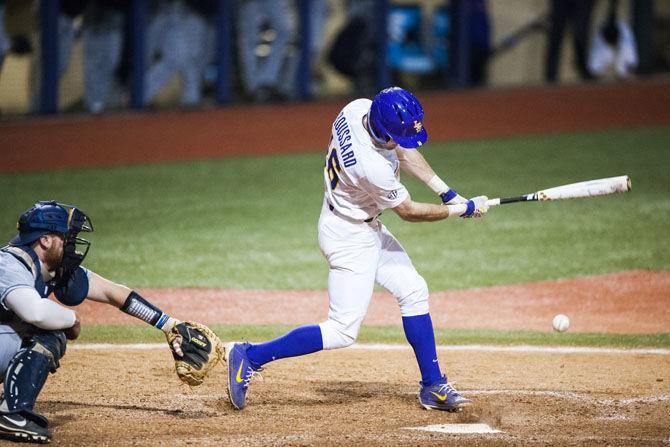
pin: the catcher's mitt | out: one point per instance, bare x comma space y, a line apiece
200, 350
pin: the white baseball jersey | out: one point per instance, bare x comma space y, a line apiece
13, 274
360, 179
360, 182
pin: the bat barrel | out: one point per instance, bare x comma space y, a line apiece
590, 188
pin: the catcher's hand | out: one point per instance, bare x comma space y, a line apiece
72, 333
196, 350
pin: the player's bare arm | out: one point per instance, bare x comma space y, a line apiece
413, 163
412, 211
103, 290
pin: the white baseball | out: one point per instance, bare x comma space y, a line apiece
561, 323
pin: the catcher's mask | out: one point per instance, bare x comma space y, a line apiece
52, 217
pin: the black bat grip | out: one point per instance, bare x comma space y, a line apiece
524, 198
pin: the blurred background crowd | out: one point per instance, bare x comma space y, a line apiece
97, 55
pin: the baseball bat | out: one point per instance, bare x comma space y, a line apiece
589, 188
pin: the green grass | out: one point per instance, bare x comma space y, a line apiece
251, 222
392, 334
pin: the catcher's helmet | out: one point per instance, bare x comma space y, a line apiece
50, 217
396, 113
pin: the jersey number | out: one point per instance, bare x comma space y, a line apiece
332, 167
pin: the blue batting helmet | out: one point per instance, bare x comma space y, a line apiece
49, 217
396, 113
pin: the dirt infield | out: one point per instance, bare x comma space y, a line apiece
128, 396
363, 397
628, 302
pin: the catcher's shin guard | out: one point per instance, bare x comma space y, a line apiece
28, 371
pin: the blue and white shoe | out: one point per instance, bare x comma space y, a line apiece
442, 396
240, 373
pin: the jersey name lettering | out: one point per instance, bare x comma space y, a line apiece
344, 136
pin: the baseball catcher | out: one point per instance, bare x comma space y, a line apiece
45, 257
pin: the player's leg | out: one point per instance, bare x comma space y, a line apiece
102, 38
250, 18
397, 274
245, 359
278, 13
171, 49
194, 35
10, 343
25, 376
349, 297
352, 265
352, 252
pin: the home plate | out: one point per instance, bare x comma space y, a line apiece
460, 429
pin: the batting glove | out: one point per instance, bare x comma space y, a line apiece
477, 207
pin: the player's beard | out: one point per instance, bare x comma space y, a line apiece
53, 257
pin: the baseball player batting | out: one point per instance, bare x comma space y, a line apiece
370, 142
45, 257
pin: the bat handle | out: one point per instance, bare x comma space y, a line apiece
503, 200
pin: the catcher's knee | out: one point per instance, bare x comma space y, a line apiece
414, 300
52, 344
336, 334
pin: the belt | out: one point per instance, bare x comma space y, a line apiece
368, 220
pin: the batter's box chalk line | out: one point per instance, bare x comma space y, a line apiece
458, 429
517, 348
404, 347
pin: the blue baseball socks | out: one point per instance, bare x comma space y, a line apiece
419, 333
300, 341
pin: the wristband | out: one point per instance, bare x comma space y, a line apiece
448, 196
470, 209
140, 308
437, 185
166, 324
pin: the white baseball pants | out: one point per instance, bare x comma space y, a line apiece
360, 254
10, 343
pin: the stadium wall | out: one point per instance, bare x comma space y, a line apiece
69, 141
